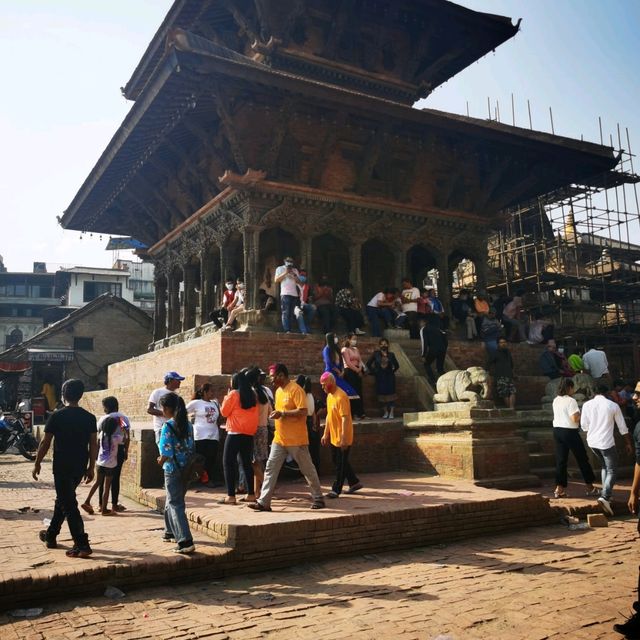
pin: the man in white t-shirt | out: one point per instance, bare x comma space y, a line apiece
409, 297
172, 382
596, 364
600, 416
288, 278
379, 307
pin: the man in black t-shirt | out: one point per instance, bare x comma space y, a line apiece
75, 449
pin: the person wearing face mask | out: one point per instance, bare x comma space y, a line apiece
323, 300
333, 364
353, 371
288, 277
236, 307
218, 316
383, 364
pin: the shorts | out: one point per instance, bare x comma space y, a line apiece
261, 444
106, 472
505, 387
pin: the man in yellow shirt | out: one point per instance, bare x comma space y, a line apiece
290, 437
338, 433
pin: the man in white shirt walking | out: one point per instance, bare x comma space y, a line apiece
599, 418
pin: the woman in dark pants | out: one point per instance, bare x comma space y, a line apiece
205, 410
240, 408
566, 434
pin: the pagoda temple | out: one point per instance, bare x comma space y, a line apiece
265, 128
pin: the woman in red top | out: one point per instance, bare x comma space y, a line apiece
240, 408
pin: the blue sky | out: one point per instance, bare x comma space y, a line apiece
65, 61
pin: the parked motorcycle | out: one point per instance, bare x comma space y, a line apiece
14, 433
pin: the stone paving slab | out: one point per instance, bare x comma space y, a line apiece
128, 551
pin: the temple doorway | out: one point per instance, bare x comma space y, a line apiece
330, 257
378, 269
422, 267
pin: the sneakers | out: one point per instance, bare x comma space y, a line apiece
360, 332
333, 494
606, 505
79, 552
592, 492
256, 506
355, 487
185, 547
391, 416
318, 504
168, 537
385, 415
630, 628
49, 543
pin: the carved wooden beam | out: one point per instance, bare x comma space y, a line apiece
342, 19
437, 65
498, 173
141, 231
172, 175
517, 191
160, 227
224, 114
329, 141
241, 20
151, 192
278, 136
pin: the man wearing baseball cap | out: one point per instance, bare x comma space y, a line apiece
172, 380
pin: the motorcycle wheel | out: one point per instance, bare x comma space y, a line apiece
29, 455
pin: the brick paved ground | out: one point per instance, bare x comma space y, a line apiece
538, 583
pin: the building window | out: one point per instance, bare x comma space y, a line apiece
15, 337
92, 290
83, 344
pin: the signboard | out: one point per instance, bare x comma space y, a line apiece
36, 355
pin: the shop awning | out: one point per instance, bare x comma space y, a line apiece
50, 354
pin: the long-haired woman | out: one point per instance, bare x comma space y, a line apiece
240, 408
353, 371
261, 437
566, 434
176, 445
332, 359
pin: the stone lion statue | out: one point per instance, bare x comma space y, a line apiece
471, 385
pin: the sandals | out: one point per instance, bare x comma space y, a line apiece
247, 499
87, 507
256, 506
318, 504
225, 501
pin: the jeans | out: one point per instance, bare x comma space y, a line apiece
375, 314
491, 345
569, 440
276, 459
327, 314
208, 449
237, 443
609, 462
287, 304
66, 507
175, 516
115, 479
305, 317
344, 471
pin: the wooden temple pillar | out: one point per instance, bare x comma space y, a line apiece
173, 324
226, 262
400, 266
355, 269
251, 248
160, 315
207, 299
306, 256
189, 312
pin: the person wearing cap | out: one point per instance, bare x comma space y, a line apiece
172, 380
338, 434
291, 437
288, 277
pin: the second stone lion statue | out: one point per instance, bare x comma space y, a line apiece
459, 385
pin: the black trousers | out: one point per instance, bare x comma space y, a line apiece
567, 440
216, 314
357, 407
115, 479
237, 443
208, 449
327, 314
438, 358
344, 471
412, 321
352, 317
66, 508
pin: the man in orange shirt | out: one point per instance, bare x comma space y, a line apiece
290, 438
338, 432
